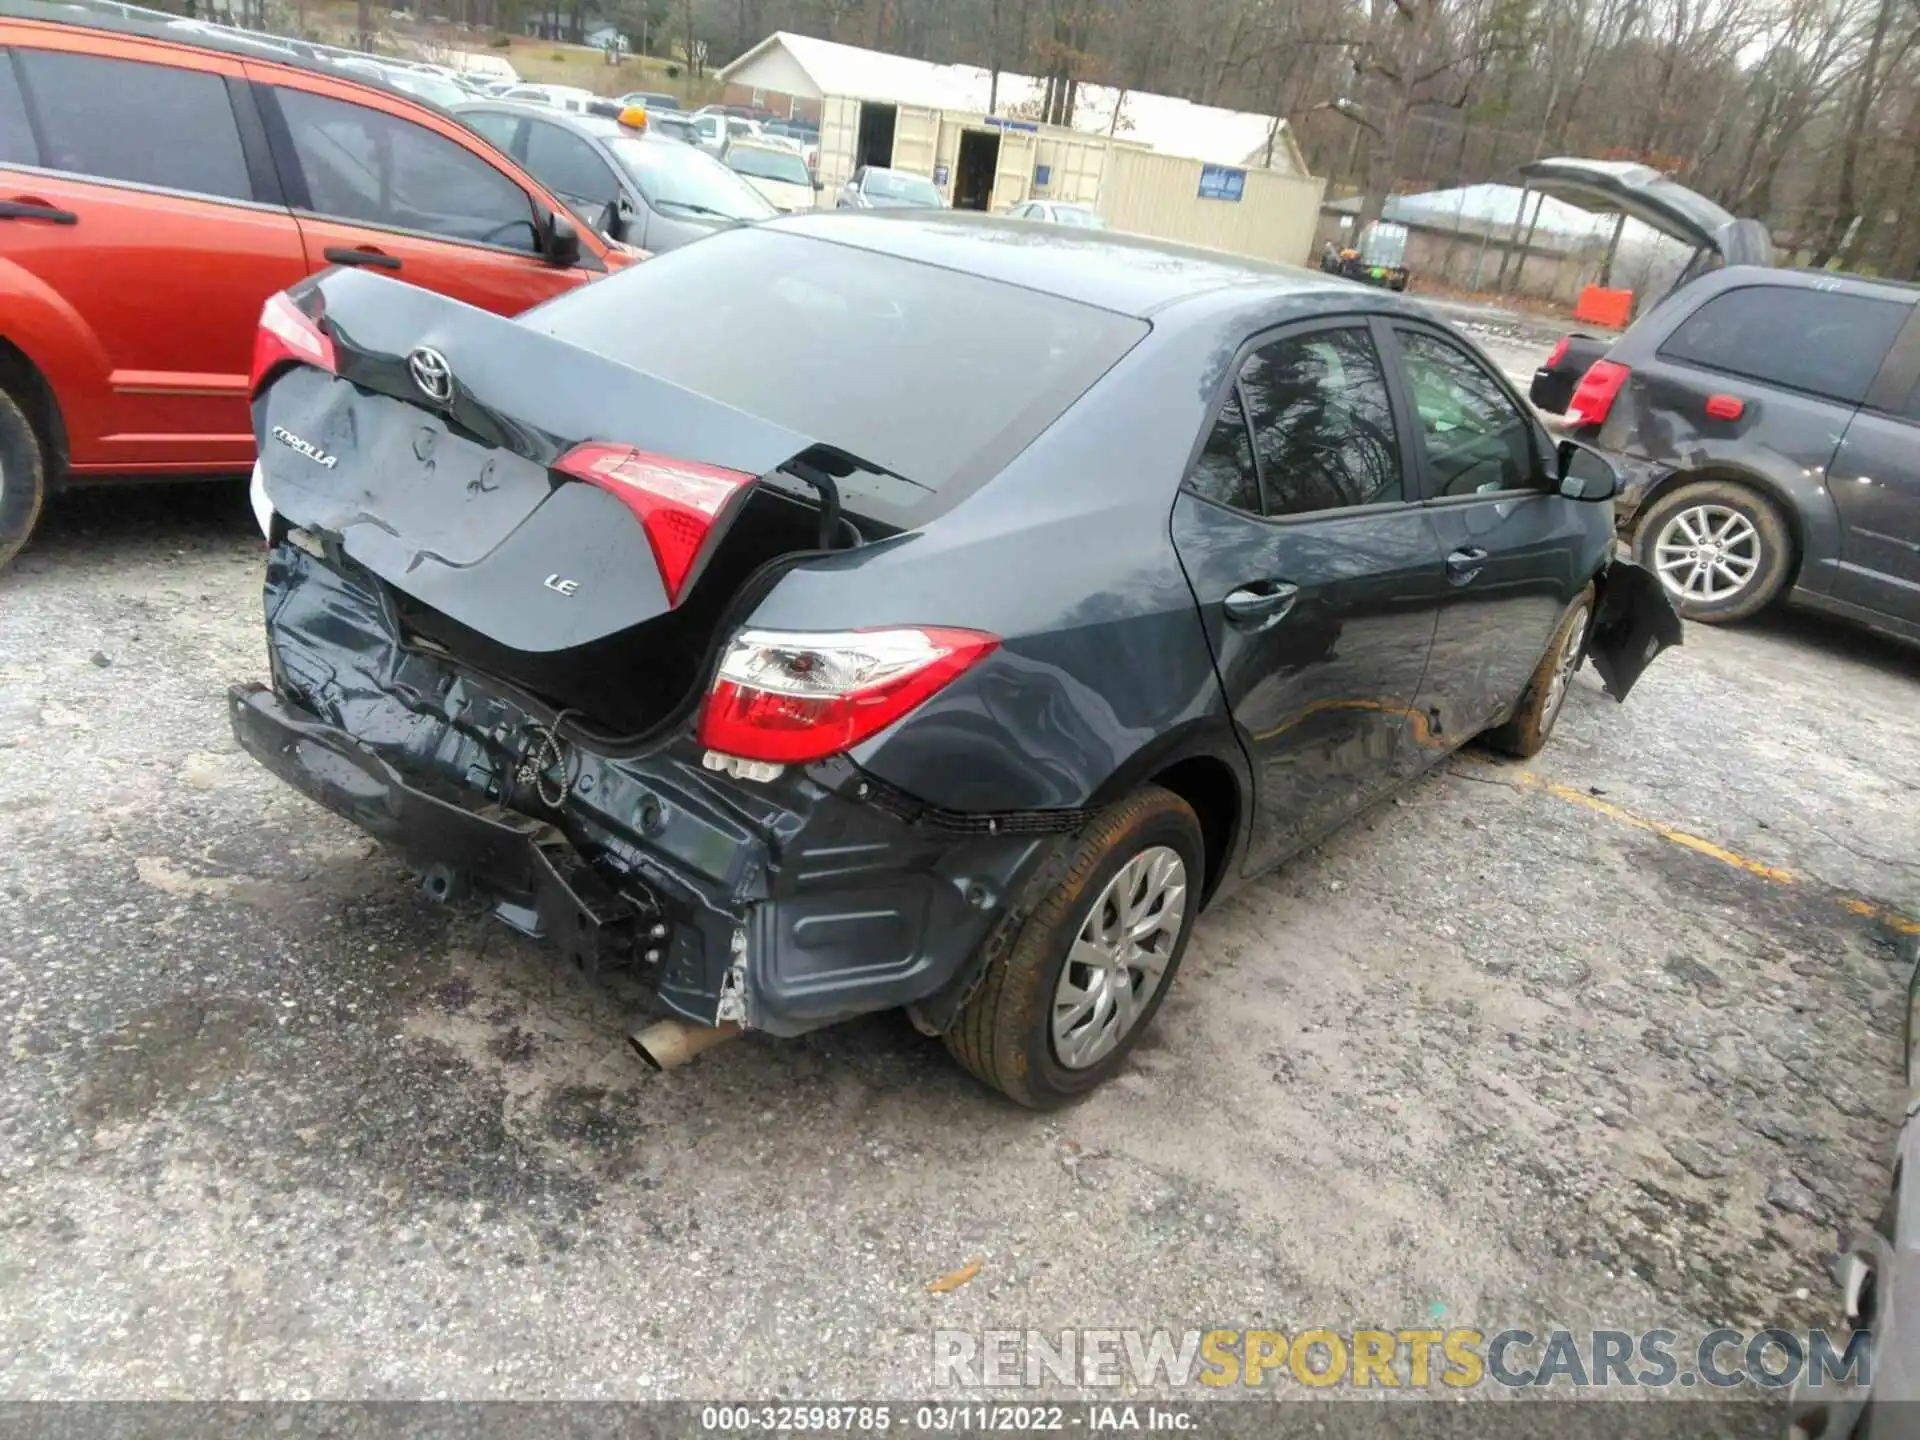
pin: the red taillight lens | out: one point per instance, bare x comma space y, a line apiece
1726, 407
794, 697
1593, 398
287, 336
1559, 353
678, 501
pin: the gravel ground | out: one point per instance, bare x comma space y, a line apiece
1503, 1052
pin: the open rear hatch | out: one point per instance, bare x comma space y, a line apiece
551, 516
1624, 187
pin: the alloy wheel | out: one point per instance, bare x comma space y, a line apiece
1707, 552
1120, 957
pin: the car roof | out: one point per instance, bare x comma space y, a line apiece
194, 34
1907, 292
1130, 274
601, 127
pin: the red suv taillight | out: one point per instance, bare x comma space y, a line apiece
1593, 398
1559, 353
792, 697
287, 336
678, 502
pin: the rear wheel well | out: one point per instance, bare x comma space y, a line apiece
1789, 515
1208, 786
22, 379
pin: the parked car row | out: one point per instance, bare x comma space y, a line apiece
632, 185
134, 258
1767, 421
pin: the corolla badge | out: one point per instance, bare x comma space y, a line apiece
305, 447
431, 373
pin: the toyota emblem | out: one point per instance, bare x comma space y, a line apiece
432, 374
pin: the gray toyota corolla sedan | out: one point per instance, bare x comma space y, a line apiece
858, 611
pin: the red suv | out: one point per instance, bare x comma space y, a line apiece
158, 183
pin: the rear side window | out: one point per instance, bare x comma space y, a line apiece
1323, 433
926, 372
1224, 472
1819, 341
127, 120
364, 164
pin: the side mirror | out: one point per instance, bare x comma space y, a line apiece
560, 242
1586, 473
611, 221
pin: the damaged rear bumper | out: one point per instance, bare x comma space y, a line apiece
538, 883
783, 905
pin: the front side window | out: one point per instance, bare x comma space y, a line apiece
1477, 440
1818, 341
366, 165
569, 166
1322, 426
128, 120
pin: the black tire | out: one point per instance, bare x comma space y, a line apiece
23, 479
1525, 735
1773, 541
1003, 1034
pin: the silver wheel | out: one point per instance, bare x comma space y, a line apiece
1564, 666
1120, 957
1707, 552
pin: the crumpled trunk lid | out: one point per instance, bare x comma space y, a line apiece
429, 460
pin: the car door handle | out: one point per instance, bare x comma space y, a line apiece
1260, 604
1463, 565
342, 255
30, 209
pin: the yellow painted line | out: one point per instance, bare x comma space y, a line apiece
1528, 780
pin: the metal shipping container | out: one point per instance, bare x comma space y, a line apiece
1250, 212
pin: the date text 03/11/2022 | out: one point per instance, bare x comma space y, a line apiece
966, 1419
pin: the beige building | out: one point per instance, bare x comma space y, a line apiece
1149, 164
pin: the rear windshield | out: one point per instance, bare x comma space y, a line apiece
779, 165
937, 376
891, 185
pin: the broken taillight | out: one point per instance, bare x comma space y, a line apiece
790, 697
1593, 398
287, 336
678, 502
